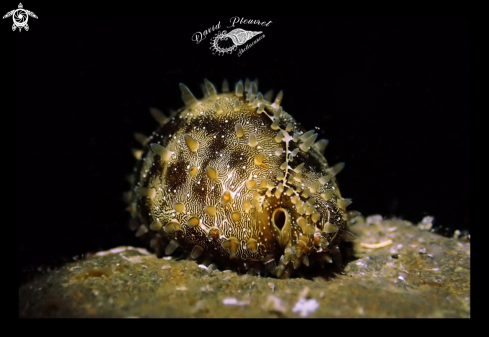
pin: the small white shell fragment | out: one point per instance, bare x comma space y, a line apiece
305, 307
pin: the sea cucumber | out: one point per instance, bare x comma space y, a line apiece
233, 179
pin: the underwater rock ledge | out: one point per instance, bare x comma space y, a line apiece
401, 271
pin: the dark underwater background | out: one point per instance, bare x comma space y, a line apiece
392, 97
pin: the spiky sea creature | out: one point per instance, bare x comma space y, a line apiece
233, 179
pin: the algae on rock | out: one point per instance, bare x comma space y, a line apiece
401, 271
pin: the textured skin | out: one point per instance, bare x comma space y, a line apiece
219, 185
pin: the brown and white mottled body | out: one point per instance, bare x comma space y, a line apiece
232, 178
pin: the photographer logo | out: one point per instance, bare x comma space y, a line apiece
20, 17
224, 42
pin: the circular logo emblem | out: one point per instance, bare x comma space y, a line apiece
20, 17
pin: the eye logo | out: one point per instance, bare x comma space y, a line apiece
20, 17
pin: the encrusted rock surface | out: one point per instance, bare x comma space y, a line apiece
402, 271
